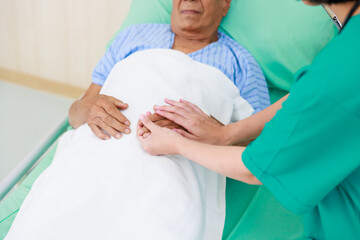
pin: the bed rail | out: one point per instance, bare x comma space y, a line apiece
31, 158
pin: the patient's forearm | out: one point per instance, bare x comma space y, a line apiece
225, 160
244, 131
77, 115
79, 110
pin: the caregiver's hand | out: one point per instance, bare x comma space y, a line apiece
159, 140
158, 120
101, 113
200, 127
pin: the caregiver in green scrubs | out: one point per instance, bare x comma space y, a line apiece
308, 154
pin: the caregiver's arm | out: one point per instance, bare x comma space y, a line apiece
248, 129
203, 128
100, 112
225, 160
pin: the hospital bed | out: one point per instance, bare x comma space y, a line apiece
283, 36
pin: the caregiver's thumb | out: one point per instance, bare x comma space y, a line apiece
148, 123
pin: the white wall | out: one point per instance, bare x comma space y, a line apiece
59, 40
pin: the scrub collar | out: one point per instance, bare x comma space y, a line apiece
335, 19
333, 16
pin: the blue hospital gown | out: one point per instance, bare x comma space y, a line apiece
225, 54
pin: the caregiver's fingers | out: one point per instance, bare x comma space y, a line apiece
146, 135
173, 109
193, 106
161, 123
178, 104
175, 117
167, 123
154, 117
148, 123
160, 141
141, 131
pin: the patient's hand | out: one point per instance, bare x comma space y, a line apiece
160, 121
199, 126
104, 114
101, 113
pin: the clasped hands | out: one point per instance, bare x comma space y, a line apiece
195, 125
183, 117
186, 119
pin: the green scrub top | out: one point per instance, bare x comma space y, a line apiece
308, 155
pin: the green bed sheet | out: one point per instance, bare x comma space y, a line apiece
283, 36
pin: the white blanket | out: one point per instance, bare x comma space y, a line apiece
112, 189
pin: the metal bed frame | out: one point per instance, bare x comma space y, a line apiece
25, 166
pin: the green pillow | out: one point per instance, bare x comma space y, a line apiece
282, 35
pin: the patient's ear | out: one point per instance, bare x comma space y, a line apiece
226, 7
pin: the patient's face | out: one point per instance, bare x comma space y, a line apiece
198, 16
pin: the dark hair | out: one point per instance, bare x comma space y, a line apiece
330, 1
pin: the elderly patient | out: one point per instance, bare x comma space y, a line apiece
193, 31
112, 189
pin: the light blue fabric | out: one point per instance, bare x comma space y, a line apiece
225, 54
